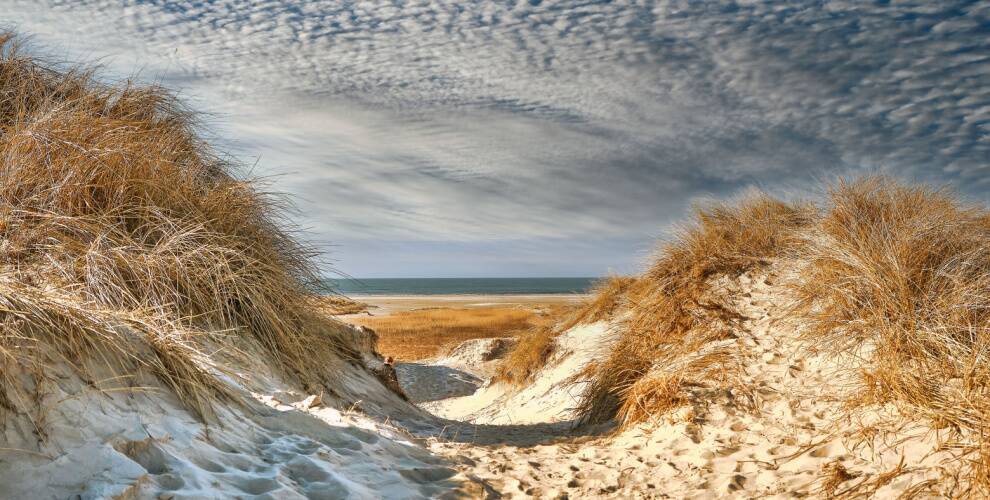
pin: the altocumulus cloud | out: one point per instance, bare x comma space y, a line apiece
507, 138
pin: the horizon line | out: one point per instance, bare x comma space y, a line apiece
459, 277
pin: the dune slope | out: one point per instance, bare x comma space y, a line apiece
158, 337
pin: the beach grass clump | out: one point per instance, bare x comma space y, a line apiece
42, 327
607, 298
338, 305
530, 354
676, 320
899, 276
534, 349
110, 201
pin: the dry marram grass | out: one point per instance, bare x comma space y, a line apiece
124, 238
900, 276
529, 355
677, 318
536, 347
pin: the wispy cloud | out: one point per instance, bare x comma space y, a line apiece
527, 128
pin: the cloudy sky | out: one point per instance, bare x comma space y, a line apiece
547, 138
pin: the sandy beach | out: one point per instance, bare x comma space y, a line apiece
387, 304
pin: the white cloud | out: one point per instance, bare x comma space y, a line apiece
478, 122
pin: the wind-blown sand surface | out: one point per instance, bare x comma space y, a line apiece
279, 442
484, 440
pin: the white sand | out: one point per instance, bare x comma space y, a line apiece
144, 444
550, 398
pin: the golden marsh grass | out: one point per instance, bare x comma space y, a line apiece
424, 333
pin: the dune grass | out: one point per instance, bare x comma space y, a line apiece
536, 346
427, 332
123, 232
894, 278
530, 354
899, 276
675, 321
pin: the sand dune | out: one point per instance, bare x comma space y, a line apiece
145, 444
781, 440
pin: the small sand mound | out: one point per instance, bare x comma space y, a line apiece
478, 356
476, 351
460, 372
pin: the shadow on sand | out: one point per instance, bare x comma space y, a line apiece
424, 383
514, 434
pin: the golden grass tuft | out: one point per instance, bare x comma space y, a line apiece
607, 297
899, 276
672, 337
529, 355
425, 333
337, 305
114, 213
535, 347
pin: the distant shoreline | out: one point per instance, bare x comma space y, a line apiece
455, 296
386, 287
387, 304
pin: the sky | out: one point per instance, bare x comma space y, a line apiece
546, 138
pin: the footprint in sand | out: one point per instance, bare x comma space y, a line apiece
427, 474
255, 485
304, 471
209, 465
146, 453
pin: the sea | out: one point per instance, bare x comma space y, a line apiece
459, 286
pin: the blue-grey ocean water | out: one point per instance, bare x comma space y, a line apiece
459, 286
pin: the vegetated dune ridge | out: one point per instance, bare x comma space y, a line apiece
157, 338
774, 349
